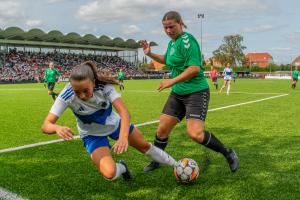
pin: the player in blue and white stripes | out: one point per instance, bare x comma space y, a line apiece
227, 73
91, 98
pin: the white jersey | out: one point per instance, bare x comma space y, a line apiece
94, 116
227, 73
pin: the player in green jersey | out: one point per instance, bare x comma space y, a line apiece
190, 92
234, 76
121, 77
51, 77
295, 75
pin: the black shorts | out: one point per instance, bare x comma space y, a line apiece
51, 86
214, 79
191, 106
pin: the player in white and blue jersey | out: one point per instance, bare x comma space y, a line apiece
91, 98
227, 73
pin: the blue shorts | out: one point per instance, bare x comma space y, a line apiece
93, 142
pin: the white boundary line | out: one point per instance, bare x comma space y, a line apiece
137, 125
6, 195
237, 92
137, 91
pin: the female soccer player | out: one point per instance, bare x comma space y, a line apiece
295, 75
51, 77
227, 74
214, 76
121, 77
190, 92
91, 99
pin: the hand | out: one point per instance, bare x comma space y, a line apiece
64, 132
146, 47
120, 146
165, 84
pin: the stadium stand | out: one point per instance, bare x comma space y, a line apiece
20, 63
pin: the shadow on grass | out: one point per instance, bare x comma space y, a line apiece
64, 171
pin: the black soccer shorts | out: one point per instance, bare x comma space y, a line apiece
191, 106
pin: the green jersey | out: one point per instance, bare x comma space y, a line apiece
234, 75
51, 75
182, 53
121, 76
295, 74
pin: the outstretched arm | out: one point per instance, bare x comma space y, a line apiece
147, 51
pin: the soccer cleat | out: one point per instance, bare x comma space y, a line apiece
152, 166
232, 160
127, 176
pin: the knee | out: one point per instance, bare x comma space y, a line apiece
144, 148
197, 136
162, 132
107, 172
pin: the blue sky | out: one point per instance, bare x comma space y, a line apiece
267, 25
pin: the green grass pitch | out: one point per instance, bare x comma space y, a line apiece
265, 135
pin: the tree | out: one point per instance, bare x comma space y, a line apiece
231, 51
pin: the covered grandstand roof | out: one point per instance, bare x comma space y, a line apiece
38, 38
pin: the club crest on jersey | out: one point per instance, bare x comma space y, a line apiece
172, 51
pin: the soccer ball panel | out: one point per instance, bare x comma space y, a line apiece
186, 171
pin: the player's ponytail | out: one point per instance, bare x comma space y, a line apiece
88, 70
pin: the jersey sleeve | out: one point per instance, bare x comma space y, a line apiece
110, 93
58, 107
190, 50
61, 102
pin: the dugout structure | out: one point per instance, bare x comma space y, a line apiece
36, 40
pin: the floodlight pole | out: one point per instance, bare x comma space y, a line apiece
201, 17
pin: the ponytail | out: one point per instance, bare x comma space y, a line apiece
88, 70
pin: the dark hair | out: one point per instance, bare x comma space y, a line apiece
88, 70
173, 15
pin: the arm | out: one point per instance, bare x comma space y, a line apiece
147, 51
50, 127
188, 73
122, 143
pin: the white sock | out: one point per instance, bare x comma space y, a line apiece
120, 169
160, 156
228, 89
222, 88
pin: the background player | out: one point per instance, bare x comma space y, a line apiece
51, 77
227, 73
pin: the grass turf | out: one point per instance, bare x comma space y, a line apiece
265, 135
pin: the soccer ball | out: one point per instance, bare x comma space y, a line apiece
186, 170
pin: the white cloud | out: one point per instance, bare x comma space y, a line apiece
260, 28
57, 1
138, 10
33, 23
131, 30
10, 12
157, 32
